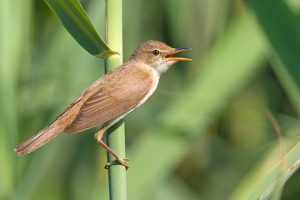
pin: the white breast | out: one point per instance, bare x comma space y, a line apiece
153, 87
156, 76
156, 71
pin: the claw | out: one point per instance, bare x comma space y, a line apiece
118, 162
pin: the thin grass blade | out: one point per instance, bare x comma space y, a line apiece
261, 182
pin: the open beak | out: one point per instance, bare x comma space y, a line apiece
170, 57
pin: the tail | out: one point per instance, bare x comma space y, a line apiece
39, 139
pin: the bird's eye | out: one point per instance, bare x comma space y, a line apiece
155, 52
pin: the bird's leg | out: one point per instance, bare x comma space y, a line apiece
98, 136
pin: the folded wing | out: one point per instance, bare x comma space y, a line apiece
116, 94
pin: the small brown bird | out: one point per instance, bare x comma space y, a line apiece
111, 97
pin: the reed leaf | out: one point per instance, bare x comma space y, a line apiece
262, 180
76, 21
277, 20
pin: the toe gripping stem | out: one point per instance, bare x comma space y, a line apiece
119, 160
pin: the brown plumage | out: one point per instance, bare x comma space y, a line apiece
110, 97
97, 105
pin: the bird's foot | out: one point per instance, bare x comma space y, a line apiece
118, 161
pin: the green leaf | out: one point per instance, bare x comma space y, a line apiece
76, 21
282, 29
288, 83
261, 182
276, 26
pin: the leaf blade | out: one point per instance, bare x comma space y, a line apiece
76, 21
276, 20
261, 181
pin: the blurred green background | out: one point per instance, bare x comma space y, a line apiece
204, 134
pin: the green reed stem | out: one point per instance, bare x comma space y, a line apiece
115, 138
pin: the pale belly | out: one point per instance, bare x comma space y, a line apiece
151, 91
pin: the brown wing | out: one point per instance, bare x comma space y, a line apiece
113, 95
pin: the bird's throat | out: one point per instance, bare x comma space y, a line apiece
162, 68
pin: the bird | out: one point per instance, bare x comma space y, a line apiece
111, 97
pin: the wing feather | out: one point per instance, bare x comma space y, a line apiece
112, 97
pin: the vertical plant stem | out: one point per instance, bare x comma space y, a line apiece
116, 138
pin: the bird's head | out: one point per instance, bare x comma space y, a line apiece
158, 55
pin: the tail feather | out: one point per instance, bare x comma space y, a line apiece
38, 140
